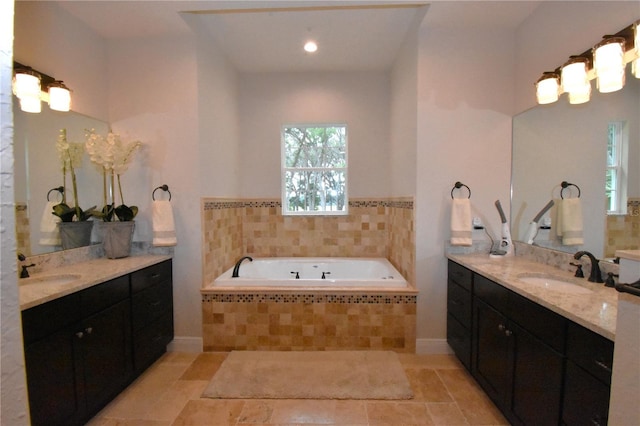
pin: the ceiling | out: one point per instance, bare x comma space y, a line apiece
267, 36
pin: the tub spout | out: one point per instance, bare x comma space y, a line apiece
236, 269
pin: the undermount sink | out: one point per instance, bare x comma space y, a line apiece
49, 280
554, 284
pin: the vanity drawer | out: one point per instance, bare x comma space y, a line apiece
101, 296
459, 303
490, 292
460, 275
459, 338
150, 276
538, 320
151, 303
43, 320
590, 351
151, 342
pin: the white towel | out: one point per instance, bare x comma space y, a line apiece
572, 222
49, 231
461, 222
164, 230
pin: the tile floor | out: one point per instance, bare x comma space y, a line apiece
168, 393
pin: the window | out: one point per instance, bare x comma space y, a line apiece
314, 169
616, 181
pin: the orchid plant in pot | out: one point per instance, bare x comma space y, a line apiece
113, 156
75, 226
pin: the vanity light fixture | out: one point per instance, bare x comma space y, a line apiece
605, 63
26, 86
59, 96
575, 80
548, 88
32, 88
608, 61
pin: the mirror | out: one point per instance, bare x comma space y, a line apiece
564, 142
37, 170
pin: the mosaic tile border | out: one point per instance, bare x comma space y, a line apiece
372, 299
633, 207
221, 204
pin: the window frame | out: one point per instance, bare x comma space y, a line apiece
285, 169
618, 169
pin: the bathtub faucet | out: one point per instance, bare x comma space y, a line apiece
236, 269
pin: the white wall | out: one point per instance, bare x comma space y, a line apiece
464, 134
269, 100
403, 118
153, 97
218, 115
76, 55
13, 389
556, 30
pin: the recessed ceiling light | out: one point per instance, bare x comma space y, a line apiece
310, 46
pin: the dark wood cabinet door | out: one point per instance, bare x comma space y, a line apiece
492, 356
55, 389
586, 399
536, 392
106, 354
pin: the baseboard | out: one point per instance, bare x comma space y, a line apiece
185, 344
433, 346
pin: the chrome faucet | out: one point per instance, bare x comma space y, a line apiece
595, 276
236, 269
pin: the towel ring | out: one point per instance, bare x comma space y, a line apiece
459, 185
164, 188
565, 185
60, 189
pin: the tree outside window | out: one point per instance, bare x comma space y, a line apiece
314, 169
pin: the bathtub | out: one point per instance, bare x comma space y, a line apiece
308, 272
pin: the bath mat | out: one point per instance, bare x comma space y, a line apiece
310, 375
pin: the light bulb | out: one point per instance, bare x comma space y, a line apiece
310, 46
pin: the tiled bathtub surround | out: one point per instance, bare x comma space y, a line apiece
308, 321
373, 228
623, 231
319, 320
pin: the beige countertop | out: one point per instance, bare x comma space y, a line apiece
89, 273
629, 254
596, 311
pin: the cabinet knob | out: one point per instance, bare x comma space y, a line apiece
89, 330
501, 327
79, 334
508, 333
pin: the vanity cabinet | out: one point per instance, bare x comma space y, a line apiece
520, 372
587, 378
152, 320
77, 352
459, 312
538, 367
80, 349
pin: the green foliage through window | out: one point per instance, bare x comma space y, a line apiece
314, 174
